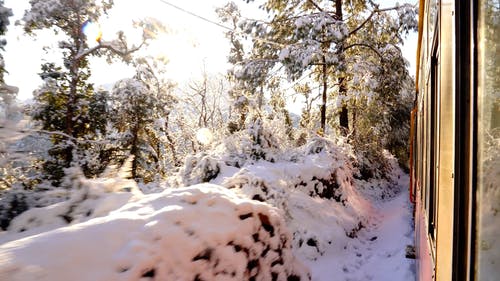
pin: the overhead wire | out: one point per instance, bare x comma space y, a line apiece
195, 15
231, 29
219, 24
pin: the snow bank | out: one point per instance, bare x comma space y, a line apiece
203, 232
81, 200
315, 190
378, 251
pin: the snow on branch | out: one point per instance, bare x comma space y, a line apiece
112, 46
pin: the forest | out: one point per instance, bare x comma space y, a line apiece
222, 158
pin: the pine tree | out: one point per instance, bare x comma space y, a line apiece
8, 174
246, 80
64, 101
140, 110
7, 93
339, 43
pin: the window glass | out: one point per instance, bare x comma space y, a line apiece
433, 12
487, 264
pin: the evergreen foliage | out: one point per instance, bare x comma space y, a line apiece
350, 49
67, 103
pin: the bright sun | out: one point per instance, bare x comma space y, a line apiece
92, 31
204, 136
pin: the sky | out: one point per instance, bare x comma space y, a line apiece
191, 44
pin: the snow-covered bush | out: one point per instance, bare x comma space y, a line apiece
20, 198
303, 183
315, 178
371, 162
203, 232
382, 187
256, 142
199, 169
260, 142
326, 182
79, 200
13, 203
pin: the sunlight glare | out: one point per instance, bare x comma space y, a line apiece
92, 31
204, 136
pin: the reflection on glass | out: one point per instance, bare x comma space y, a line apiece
488, 197
433, 11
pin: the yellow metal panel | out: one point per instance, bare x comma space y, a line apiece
419, 44
444, 243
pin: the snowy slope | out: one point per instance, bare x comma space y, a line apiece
362, 236
314, 209
203, 232
315, 222
378, 252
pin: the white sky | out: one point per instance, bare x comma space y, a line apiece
189, 44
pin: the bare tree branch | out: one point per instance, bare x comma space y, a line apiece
316, 5
109, 46
375, 11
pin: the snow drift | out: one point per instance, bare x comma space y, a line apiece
203, 232
314, 186
246, 224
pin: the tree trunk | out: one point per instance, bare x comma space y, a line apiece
134, 150
354, 117
71, 103
72, 95
70, 112
344, 120
344, 113
171, 144
260, 99
323, 100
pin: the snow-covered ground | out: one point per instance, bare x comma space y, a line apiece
378, 253
313, 212
203, 232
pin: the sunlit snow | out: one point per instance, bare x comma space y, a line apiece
201, 231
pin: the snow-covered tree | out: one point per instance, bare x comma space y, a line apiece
206, 111
381, 119
140, 109
7, 93
340, 43
14, 161
64, 101
246, 92
208, 101
133, 109
9, 116
5, 13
